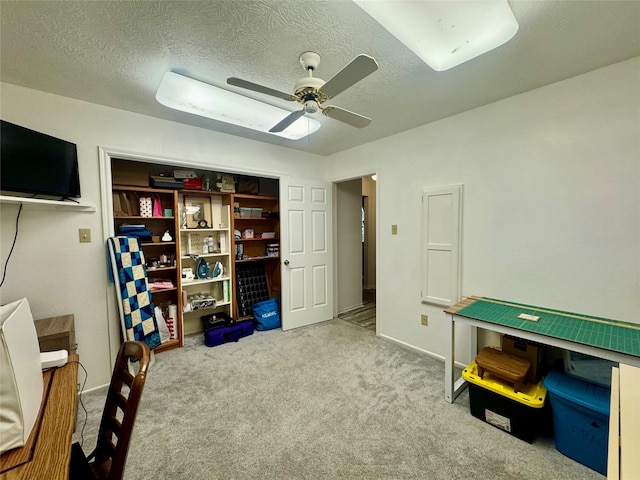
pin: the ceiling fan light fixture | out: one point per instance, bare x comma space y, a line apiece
445, 34
198, 98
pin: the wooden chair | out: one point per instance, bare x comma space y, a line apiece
107, 461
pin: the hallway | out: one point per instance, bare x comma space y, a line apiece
364, 316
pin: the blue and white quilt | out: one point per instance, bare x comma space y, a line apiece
137, 306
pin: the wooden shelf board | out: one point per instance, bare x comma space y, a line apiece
139, 217
204, 280
255, 197
205, 255
256, 259
168, 345
254, 239
157, 269
134, 188
160, 290
198, 230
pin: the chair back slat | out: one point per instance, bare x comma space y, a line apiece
120, 411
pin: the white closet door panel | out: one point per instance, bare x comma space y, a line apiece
296, 289
441, 244
296, 232
319, 229
320, 286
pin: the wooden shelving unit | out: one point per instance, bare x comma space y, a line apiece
187, 244
160, 256
217, 215
259, 214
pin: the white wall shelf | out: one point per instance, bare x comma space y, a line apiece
52, 204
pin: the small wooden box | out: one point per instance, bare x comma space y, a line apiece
532, 351
503, 365
56, 333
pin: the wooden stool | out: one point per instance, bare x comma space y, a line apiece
503, 365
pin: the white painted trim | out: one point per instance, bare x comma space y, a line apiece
106, 154
367, 173
420, 351
181, 162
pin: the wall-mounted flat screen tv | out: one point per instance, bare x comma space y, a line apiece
37, 165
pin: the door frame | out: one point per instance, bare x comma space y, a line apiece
105, 155
334, 181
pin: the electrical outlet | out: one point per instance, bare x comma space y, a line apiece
394, 229
424, 320
85, 235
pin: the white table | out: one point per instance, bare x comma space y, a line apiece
453, 387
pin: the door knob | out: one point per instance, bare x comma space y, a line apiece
286, 262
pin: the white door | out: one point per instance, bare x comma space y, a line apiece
306, 252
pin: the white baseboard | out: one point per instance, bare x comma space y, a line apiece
421, 351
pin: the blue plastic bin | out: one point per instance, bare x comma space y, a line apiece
580, 412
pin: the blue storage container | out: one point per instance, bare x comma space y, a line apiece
580, 412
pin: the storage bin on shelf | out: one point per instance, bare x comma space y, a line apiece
523, 414
588, 368
256, 212
580, 412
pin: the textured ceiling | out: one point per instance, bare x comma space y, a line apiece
115, 53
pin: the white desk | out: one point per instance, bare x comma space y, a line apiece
453, 387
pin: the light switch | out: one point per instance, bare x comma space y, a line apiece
85, 235
394, 229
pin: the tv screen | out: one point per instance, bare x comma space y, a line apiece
36, 164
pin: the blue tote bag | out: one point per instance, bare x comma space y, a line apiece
267, 314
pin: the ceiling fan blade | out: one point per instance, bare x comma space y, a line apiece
351, 118
238, 82
288, 120
360, 67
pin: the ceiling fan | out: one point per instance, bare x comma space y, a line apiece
312, 92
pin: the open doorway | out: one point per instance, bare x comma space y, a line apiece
355, 215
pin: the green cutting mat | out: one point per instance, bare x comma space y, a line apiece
604, 333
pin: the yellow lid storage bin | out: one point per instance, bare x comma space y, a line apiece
524, 414
532, 394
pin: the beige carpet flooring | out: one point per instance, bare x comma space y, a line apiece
329, 401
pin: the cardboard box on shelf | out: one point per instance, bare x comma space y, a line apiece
532, 351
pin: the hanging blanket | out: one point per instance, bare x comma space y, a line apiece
137, 308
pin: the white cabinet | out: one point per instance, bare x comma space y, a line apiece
205, 257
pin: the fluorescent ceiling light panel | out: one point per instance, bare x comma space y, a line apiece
445, 33
192, 96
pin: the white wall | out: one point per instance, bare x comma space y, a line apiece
348, 244
551, 212
551, 203
49, 265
